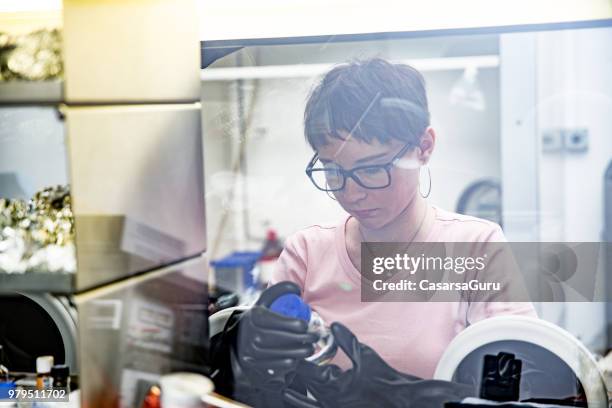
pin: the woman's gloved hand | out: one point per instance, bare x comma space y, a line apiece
255, 357
270, 345
370, 382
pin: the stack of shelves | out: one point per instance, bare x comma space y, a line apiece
129, 111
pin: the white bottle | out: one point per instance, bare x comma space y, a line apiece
43, 372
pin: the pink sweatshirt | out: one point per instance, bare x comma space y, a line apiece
410, 336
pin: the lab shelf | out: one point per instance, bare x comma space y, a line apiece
40, 92
37, 282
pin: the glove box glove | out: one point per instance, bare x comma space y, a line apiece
370, 382
264, 350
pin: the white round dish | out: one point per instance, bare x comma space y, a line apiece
531, 330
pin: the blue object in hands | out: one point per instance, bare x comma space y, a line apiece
291, 305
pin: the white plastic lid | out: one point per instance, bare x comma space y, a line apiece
184, 390
44, 364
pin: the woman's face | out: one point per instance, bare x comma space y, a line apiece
375, 208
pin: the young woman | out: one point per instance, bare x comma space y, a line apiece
369, 125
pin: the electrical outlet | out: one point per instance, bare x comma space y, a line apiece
571, 140
576, 140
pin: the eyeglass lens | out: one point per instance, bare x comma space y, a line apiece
333, 178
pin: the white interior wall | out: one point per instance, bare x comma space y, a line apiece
219, 135
575, 91
468, 140
280, 195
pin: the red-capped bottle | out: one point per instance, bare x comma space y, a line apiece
272, 247
270, 252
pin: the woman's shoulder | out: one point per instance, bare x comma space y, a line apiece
315, 236
454, 227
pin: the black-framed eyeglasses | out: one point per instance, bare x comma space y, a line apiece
375, 176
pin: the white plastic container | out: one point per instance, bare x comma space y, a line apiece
184, 390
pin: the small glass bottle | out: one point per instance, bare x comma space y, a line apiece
152, 399
61, 376
271, 250
43, 372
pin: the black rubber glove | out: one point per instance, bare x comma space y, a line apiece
265, 350
370, 382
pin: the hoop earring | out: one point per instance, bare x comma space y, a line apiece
428, 184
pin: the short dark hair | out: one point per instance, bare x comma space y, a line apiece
371, 99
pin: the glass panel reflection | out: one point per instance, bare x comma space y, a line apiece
36, 221
141, 330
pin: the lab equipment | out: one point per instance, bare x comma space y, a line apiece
192, 390
482, 199
270, 252
291, 305
237, 272
184, 390
272, 246
47, 325
43, 372
264, 353
370, 382
501, 377
557, 368
61, 376
256, 354
224, 301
